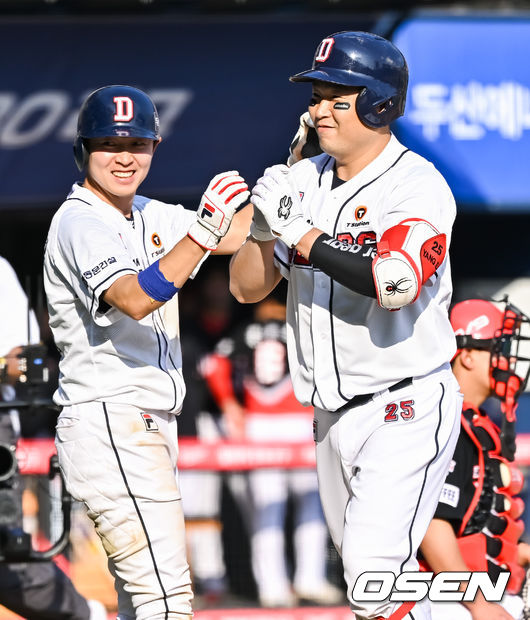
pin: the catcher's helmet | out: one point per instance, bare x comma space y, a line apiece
495, 327
115, 111
363, 59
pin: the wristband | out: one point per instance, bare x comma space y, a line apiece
155, 285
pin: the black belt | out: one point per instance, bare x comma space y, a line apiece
362, 399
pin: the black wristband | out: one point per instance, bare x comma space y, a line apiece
350, 265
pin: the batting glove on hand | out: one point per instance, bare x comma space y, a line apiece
259, 228
225, 193
305, 142
280, 205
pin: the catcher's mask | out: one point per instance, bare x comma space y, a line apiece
495, 326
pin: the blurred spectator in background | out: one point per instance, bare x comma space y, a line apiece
38, 590
476, 525
208, 312
249, 378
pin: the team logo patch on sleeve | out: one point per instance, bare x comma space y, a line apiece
450, 495
150, 424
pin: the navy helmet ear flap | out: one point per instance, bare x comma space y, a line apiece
376, 111
80, 153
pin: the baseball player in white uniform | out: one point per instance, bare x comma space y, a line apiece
114, 262
361, 233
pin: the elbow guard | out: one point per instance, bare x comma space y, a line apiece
407, 256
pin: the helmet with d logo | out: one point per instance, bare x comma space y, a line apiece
121, 111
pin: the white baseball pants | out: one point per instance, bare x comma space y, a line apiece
122, 465
381, 467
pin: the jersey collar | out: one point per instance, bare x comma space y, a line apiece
86, 195
382, 162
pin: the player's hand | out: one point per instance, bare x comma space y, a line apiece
225, 193
280, 205
305, 142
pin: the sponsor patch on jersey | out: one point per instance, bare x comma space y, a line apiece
301, 195
98, 268
450, 495
157, 242
150, 424
360, 212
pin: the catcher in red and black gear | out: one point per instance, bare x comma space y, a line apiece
476, 525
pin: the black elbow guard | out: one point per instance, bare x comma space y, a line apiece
350, 265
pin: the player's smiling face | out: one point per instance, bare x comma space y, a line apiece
332, 110
117, 166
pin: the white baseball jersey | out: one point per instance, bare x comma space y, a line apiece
342, 343
105, 354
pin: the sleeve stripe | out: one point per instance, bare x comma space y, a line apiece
125, 269
95, 295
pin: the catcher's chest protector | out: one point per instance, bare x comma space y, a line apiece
491, 524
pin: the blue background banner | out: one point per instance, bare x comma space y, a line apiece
225, 101
221, 86
468, 107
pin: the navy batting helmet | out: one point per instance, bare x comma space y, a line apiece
115, 111
367, 60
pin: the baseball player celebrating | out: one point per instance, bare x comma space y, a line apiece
361, 233
114, 263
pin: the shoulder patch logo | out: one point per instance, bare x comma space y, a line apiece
360, 212
155, 238
150, 424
